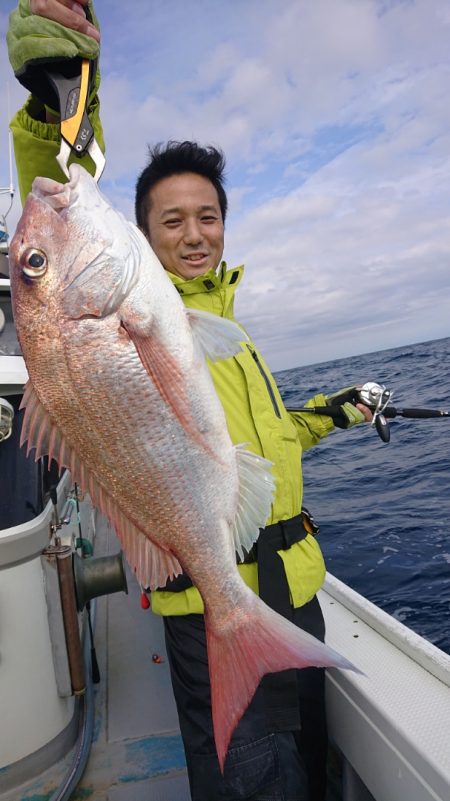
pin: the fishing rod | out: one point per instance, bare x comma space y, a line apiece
6, 190
376, 397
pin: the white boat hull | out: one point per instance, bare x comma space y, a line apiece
391, 724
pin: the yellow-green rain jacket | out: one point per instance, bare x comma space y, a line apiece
253, 406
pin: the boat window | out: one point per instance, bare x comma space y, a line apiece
9, 344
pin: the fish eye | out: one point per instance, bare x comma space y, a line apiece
34, 263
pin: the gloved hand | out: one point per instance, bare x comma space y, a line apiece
348, 414
35, 41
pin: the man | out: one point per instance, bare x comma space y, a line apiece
278, 749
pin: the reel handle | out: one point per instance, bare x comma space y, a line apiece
382, 427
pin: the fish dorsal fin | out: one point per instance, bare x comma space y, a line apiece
216, 337
256, 490
39, 431
152, 565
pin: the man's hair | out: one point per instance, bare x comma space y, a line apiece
176, 158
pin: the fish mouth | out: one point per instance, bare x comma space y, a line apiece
52, 193
57, 195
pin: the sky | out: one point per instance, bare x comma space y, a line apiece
334, 116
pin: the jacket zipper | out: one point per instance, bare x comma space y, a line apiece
267, 382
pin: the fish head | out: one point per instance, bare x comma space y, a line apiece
72, 255
33, 254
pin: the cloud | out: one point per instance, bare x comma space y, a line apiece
335, 120
367, 267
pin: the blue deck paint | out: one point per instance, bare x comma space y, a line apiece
152, 756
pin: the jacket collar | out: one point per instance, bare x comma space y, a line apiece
211, 281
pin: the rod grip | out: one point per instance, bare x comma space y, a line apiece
423, 413
328, 411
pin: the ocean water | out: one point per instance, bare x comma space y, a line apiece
384, 509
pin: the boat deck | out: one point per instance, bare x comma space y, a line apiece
137, 751
389, 723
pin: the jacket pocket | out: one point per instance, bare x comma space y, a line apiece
266, 379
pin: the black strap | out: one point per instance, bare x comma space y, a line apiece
280, 689
280, 536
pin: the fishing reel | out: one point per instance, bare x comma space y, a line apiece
376, 397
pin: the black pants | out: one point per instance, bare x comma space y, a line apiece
260, 765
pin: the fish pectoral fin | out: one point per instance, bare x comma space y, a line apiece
256, 490
216, 337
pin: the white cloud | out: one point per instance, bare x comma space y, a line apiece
335, 120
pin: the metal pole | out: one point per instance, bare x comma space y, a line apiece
70, 617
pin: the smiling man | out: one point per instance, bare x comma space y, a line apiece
185, 225
278, 750
182, 213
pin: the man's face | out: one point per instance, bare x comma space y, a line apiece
185, 224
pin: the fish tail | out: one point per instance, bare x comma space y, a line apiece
240, 655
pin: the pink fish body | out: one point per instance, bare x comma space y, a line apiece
120, 394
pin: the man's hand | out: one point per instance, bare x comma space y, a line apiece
351, 410
51, 33
366, 412
69, 13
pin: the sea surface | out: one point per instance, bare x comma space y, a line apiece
384, 509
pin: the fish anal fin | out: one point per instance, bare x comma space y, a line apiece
152, 565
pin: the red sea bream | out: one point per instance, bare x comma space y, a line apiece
121, 395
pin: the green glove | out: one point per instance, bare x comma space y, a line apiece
36, 43
349, 415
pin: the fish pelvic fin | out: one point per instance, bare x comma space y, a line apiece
215, 337
152, 564
256, 491
239, 656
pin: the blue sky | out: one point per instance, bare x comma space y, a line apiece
335, 119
